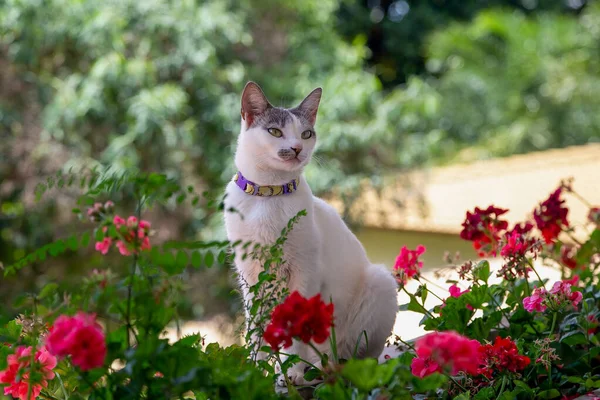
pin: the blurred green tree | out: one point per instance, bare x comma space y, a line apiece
155, 86
396, 31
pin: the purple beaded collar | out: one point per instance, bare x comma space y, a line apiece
267, 190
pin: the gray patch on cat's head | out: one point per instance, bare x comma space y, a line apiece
273, 117
302, 115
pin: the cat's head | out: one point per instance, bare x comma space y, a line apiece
274, 138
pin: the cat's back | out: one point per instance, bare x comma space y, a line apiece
337, 239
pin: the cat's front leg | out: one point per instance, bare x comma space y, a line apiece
309, 358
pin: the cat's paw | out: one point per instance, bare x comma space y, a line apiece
296, 376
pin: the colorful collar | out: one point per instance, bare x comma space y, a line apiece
266, 190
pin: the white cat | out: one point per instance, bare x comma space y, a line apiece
321, 253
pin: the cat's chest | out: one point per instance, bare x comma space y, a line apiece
261, 220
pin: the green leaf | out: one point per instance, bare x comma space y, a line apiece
482, 271
189, 341
48, 290
209, 259
73, 243
549, 394
573, 338
181, 260
85, 239
222, 256
463, 396
413, 305
312, 374
196, 259
367, 374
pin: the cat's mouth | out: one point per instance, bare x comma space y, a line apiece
290, 160
291, 163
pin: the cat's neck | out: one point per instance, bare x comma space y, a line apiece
264, 177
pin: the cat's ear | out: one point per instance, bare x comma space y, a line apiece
310, 105
254, 102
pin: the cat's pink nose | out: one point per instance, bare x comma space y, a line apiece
297, 150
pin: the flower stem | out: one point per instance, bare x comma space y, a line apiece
129, 295
554, 317
581, 198
410, 346
312, 346
288, 384
502, 387
62, 386
422, 308
33, 349
536, 273
432, 283
457, 384
573, 238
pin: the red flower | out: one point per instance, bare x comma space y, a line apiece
483, 228
17, 373
407, 263
516, 245
449, 350
522, 228
592, 324
568, 256
551, 216
298, 317
81, 337
500, 357
573, 281
423, 367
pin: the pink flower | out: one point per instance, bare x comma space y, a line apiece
123, 248
562, 292
144, 224
423, 367
104, 245
132, 222
408, 262
118, 221
450, 350
17, 373
146, 243
456, 292
81, 337
535, 302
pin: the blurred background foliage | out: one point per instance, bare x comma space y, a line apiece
154, 85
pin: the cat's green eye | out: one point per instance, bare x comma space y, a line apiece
307, 134
275, 132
